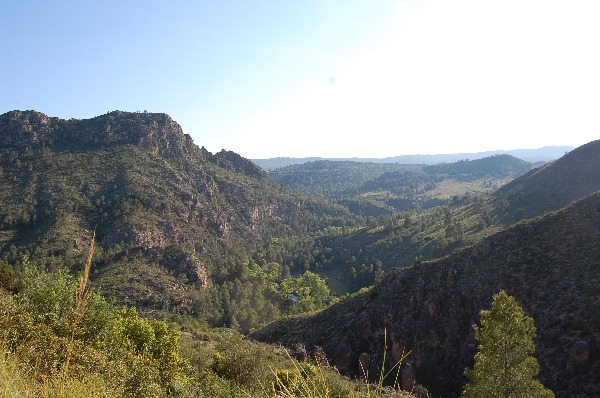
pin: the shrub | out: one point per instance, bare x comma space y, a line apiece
504, 366
137, 356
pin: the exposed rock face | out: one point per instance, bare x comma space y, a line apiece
170, 217
155, 132
550, 265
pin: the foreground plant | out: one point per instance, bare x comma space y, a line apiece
62, 336
81, 300
504, 366
383, 372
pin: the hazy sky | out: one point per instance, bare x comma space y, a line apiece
337, 78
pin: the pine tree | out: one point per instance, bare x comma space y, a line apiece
504, 367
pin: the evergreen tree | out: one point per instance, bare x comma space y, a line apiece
503, 366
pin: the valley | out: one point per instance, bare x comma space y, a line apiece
343, 258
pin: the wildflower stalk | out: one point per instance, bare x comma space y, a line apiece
383, 373
81, 299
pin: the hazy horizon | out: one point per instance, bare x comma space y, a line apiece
336, 79
562, 147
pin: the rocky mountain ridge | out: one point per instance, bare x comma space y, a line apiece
154, 132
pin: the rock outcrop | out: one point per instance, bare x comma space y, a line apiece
155, 132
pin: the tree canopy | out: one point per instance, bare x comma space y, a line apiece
504, 366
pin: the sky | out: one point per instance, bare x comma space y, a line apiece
326, 78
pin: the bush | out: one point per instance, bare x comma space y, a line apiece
504, 367
137, 356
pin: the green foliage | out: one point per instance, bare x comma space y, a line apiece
311, 290
16, 382
504, 367
308, 285
375, 189
242, 363
304, 380
138, 357
9, 279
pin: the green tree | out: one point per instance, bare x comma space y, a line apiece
503, 366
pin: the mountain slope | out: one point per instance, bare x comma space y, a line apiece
373, 189
550, 265
553, 185
398, 239
172, 219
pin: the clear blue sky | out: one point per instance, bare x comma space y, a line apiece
330, 78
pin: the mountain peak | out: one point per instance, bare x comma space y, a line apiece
155, 132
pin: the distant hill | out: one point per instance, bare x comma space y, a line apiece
550, 265
362, 254
374, 189
175, 224
544, 154
334, 179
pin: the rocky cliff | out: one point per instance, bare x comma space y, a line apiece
154, 132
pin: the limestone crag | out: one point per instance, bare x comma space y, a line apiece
155, 132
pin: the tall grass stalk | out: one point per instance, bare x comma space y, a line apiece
81, 299
383, 373
306, 381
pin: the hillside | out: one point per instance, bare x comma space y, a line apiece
544, 154
175, 223
360, 255
333, 179
550, 265
553, 185
374, 189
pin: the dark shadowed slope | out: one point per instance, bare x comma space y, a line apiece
553, 185
550, 265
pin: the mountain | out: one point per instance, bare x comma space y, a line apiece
544, 154
374, 189
550, 265
175, 224
553, 185
362, 253
193, 236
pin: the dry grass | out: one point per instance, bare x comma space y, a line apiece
16, 382
81, 299
383, 373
